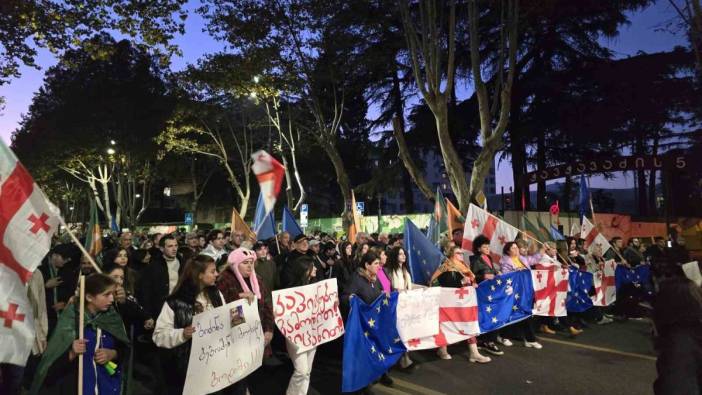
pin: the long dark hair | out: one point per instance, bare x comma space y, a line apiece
347, 260
393, 262
108, 262
188, 286
97, 283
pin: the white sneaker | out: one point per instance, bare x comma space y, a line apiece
479, 358
444, 355
535, 345
604, 321
504, 342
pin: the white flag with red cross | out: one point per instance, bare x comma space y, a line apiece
605, 285
458, 319
593, 238
550, 292
27, 223
479, 221
269, 173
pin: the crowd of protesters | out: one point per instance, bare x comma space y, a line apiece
139, 310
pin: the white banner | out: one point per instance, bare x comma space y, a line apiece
309, 315
227, 346
418, 313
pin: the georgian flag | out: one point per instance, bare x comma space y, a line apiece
27, 223
593, 238
269, 173
479, 221
605, 285
550, 292
458, 319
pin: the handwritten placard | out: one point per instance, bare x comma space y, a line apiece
418, 313
309, 315
227, 346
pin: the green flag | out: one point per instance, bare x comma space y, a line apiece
438, 223
533, 230
93, 234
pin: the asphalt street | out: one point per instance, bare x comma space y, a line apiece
611, 359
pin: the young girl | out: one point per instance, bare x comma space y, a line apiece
195, 293
120, 257
105, 341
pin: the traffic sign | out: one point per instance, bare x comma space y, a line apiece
304, 209
188, 218
361, 207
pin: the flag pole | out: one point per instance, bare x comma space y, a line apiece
80, 246
524, 233
81, 321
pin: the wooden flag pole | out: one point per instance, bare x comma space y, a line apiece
81, 323
79, 245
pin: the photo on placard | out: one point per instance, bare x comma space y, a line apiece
236, 316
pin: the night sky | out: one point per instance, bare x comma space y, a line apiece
646, 33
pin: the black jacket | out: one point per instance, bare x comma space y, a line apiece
679, 363
363, 288
290, 268
480, 268
152, 288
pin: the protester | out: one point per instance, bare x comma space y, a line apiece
632, 253
484, 268
616, 251
60, 281
239, 281
195, 293
454, 273
266, 269
215, 249
300, 271
289, 264
401, 280
105, 341
677, 317
365, 285
344, 266
657, 249
120, 257
512, 261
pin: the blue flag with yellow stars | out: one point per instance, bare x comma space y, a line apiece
579, 283
505, 299
372, 344
423, 257
639, 275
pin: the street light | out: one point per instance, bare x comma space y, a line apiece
111, 151
112, 142
166, 191
137, 195
256, 79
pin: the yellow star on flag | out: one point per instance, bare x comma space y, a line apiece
494, 320
377, 309
488, 309
499, 282
389, 350
509, 281
516, 296
371, 323
372, 349
365, 333
514, 307
490, 298
492, 287
386, 302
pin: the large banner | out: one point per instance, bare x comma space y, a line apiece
227, 346
418, 313
309, 315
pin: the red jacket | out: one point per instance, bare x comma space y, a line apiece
230, 288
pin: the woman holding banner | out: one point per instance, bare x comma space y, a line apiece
103, 347
302, 272
239, 281
396, 269
512, 261
195, 292
454, 273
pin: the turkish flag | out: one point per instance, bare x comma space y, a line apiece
550, 292
27, 223
269, 173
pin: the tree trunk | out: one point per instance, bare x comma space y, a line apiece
342, 178
452, 161
406, 157
541, 164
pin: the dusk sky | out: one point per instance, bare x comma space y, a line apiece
646, 33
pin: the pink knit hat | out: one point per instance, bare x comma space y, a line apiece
235, 258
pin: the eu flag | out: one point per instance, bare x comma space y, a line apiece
638, 275
505, 299
289, 223
423, 257
264, 225
580, 284
372, 344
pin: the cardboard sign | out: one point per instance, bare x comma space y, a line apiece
309, 315
418, 313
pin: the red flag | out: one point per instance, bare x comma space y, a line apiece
27, 223
269, 173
